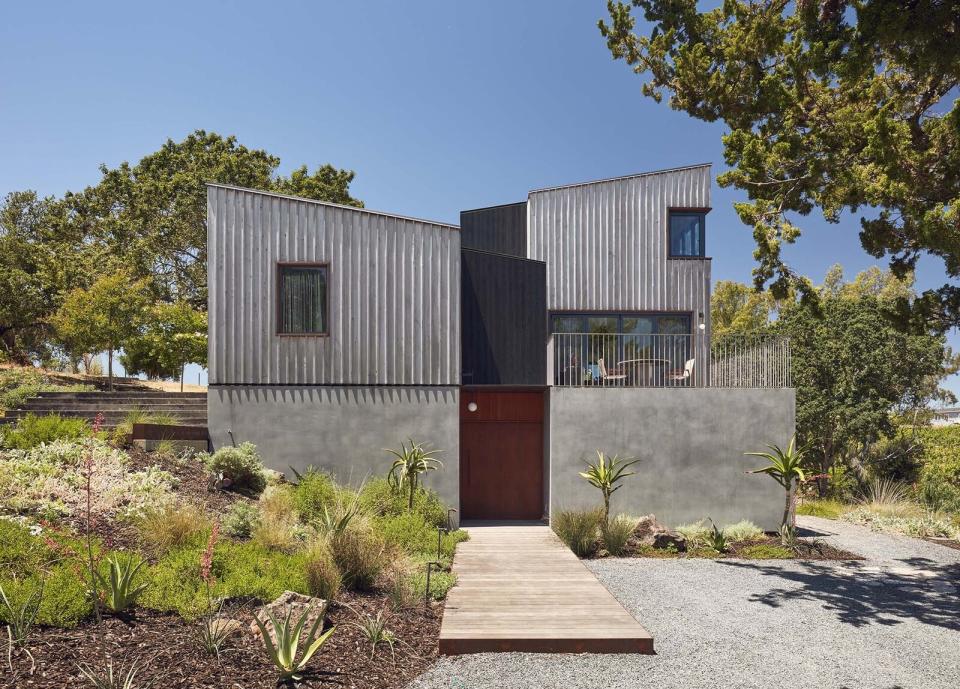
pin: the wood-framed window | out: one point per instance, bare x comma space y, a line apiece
302, 299
686, 235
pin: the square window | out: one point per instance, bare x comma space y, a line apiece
303, 299
686, 234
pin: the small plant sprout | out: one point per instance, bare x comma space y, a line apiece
606, 474
410, 462
113, 678
119, 593
375, 630
20, 618
785, 468
283, 652
716, 539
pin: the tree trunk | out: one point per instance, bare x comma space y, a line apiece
786, 508
182, 368
110, 369
606, 508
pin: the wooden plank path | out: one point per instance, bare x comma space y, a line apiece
520, 589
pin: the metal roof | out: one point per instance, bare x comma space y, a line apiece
615, 179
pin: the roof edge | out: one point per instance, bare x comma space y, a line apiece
289, 197
621, 177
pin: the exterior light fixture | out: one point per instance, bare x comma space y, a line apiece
472, 406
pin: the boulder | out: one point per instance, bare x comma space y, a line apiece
650, 532
293, 603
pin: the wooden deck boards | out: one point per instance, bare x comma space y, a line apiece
520, 589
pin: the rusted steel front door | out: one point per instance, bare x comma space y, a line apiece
501, 454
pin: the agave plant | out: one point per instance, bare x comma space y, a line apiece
716, 539
410, 462
283, 651
119, 593
606, 474
785, 468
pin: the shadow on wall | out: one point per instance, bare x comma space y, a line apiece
861, 594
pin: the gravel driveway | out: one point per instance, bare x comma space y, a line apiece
891, 621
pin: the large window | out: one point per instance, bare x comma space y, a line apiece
302, 299
631, 347
686, 234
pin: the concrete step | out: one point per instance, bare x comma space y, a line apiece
151, 395
92, 413
104, 405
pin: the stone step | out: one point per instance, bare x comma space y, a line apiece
152, 395
172, 405
92, 414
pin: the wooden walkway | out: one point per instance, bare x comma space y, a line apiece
520, 589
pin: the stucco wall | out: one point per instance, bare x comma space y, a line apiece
341, 429
690, 443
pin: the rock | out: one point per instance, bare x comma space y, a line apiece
295, 604
650, 532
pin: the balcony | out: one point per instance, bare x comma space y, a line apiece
640, 360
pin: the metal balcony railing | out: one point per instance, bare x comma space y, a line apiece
640, 360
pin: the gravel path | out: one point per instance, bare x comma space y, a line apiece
891, 621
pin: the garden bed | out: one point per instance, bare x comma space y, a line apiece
767, 547
165, 649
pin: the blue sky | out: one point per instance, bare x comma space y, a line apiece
437, 105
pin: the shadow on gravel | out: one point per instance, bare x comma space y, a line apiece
860, 595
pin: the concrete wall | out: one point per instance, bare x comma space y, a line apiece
690, 443
341, 429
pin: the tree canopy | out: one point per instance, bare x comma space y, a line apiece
840, 105
148, 218
738, 308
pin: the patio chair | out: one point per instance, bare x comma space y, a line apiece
682, 374
607, 376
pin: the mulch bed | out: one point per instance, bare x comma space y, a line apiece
166, 651
946, 542
806, 550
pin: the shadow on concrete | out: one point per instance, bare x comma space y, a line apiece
860, 595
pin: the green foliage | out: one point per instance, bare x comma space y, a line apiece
786, 468
911, 522
696, 534
32, 430
360, 554
374, 630
606, 474
939, 482
283, 647
215, 631
616, 533
736, 308
113, 677
172, 525
415, 536
241, 519
781, 76
578, 529
716, 539
117, 587
744, 530
20, 614
173, 336
765, 551
314, 492
826, 508
102, 317
409, 464
380, 498
323, 576
20, 382
241, 466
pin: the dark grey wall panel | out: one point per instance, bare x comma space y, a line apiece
504, 319
500, 229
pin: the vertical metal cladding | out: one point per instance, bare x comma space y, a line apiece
605, 243
393, 293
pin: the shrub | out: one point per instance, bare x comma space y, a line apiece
33, 430
440, 583
938, 495
173, 525
241, 466
360, 553
616, 534
413, 535
399, 582
315, 491
826, 508
278, 501
322, 574
276, 532
765, 551
696, 533
917, 524
382, 499
578, 529
744, 530
241, 519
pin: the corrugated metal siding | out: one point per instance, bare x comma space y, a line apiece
605, 243
393, 291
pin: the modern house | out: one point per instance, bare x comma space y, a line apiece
519, 343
